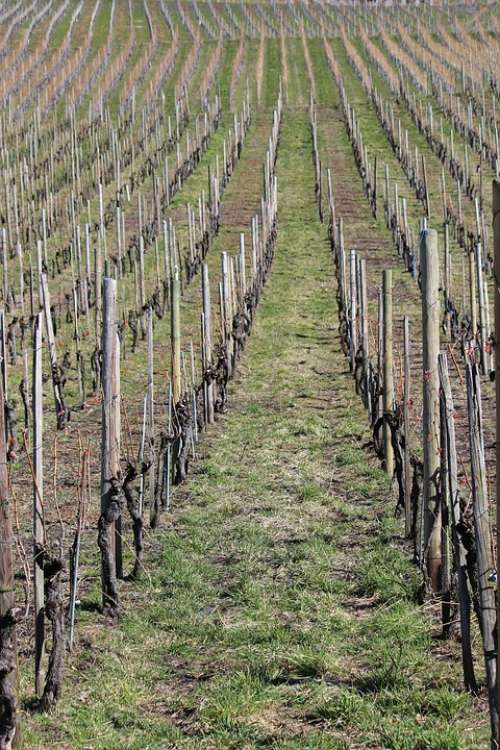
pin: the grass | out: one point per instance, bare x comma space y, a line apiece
278, 609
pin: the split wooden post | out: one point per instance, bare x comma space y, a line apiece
8, 646
496, 236
38, 524
207, 343
98, 286
363, 307
472, 294
426, 191
243, 275
429, 265
3, 353
175, 337
380, 350
447, 276
484, 313
227, 313
330, 199
406, 427
110, 540
153, 504
448, 446
58, 396
484, 542
388, 386
353, 308
342, 264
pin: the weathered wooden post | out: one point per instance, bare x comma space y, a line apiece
353, 308
331, 202
9, 727
207, 343
175, 337
496, 236
429, 265
447, 276
484, 543
243, 275
450, 482
38, 521
388, 386
406, 427
473, 294
153, 503
363, 309
227, 314
110, 450
426, 191
484, 313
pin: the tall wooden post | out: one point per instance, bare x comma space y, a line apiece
484, 313
353, 308
153, 507
9, 728
363, 309
388, 389
38, 524
243, 275
450, 486
484, 542
207, 343
110, 449
447, 275
175, 337
58, 396
496, 236
472, 294
406, 427
429, 265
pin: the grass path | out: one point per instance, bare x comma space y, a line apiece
279, 610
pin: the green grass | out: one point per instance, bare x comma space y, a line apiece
278, 609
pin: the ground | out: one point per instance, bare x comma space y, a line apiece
279, 607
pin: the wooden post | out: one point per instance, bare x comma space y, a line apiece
472, 294
452, 502
207, 342
141, 455
38, 521
58, 396
484, 542
388, 385
429, 265
496, 238
406, 427
227, 317
447, 276
142, 289
175, 338
446, 523
168, 467
363, 311
484, 313
427, 202
353, 308
153, 505
331, 202
9, 728
380, 348
342, 264
110, 449
243, 275
193, 396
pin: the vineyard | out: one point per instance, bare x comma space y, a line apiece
248, 482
